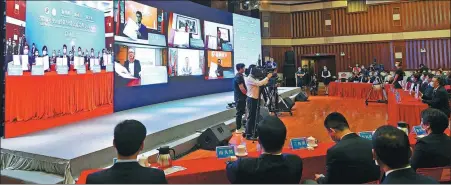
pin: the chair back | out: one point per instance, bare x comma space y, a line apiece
373, 182
441, 174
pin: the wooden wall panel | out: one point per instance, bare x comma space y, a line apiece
436, 53
414, 16
280, 25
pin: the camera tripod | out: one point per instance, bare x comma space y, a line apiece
273, 99
373, 90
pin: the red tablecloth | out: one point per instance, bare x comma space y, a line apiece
407, 110
36, 103
353, 90
212, 170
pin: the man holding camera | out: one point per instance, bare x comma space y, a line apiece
253, 95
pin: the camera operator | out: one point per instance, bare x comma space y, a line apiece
240, 92
253, 95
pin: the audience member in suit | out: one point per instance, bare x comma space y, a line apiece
33, 49
350, 161
65, 56
272, 167
128, 140
391, 150
433, 150
439, 99
426, 86
132, 65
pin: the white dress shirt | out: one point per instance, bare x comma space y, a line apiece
253, 85
389, 171
131, 68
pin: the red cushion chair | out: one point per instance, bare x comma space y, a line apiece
441, 174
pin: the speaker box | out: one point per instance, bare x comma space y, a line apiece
289, 57
218, 135
286, 104
288, 72
301, 97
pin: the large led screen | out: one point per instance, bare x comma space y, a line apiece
247, 40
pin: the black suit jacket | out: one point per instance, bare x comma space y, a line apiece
137, 67
267, 169
350, 161
407, 176
432, 151
439, 100
127, 173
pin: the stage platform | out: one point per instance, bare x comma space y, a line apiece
66, 151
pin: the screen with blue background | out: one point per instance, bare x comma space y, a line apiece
55, 23
179, 88
248, 42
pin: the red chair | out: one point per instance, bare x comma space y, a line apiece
441, 174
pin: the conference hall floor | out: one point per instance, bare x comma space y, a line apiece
308, 120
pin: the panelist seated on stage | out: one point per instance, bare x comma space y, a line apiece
433, 150
350, 161
391, 150
132, 65
128, 140
439, 99
272, 167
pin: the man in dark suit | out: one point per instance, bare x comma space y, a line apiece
350, 161
272, 167
128, 140
439, 99
434, 150
132, 65
142, 30
391, 149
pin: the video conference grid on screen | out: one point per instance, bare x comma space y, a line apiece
58, 36
210, 48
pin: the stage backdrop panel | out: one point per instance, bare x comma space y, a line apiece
177, 87
55, 23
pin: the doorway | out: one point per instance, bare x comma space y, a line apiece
317, 62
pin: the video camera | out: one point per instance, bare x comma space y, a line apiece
259, 72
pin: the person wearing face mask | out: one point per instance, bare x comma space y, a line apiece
65, 56
299, 75
356, 69
433, 150
33, 49
326, 78
350, 160
15, 48
439, 99
32, 62
399, 75
102, 62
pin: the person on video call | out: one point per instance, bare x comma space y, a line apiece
142, 30
132, 65
220, 40
220, 70
186, 70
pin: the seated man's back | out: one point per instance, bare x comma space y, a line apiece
267, 169
351, 161
127, 173
407, 176
432, 151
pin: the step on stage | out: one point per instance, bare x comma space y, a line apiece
66, 151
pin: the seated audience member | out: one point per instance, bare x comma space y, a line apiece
272, 166
350, 161
415, 79
448, 79
439, 99
423, 68
434, 150
392, 151
129, 141
426, 87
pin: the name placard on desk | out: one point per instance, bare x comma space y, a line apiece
62, 69
110, 67
298, 143
81, 70
366, 135
224, 152
418, 130
14, 70
37, 70
95, 69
